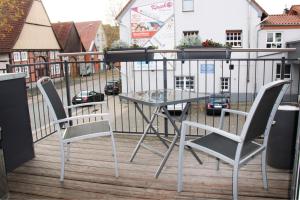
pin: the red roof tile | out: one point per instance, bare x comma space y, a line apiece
283, 19
87, 32
294, 10
8, 38
62, 31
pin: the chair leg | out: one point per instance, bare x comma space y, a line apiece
180, 167
62, 160
264, 169
68, 151
115, 155
235, 182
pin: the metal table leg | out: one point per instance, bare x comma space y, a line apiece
145, 131
177, 133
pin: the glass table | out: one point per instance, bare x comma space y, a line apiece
160, 99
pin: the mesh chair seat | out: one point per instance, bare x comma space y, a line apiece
87, 129
224, 146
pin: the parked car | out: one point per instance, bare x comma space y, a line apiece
113, 87
216, 103
86, 96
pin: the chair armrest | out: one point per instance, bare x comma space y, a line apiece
238, 112
213, 129
85, 104
80, 117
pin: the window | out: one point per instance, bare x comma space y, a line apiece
52, 55
17, 56
187, 33
184, 83
24, 56
23, 69
287, 71
234, 38
187, 5
55, 69
225, 84
274, 40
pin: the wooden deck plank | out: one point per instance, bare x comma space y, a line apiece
90, 175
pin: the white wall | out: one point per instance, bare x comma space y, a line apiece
211, 18
100, 40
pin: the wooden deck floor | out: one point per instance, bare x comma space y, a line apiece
89, 175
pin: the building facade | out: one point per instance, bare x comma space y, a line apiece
164, 23
31, 40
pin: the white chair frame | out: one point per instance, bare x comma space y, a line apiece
66, 142
237, 163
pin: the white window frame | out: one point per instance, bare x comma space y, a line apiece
234, 38
287, 76
185, 7
188, 33
17, 56
185, 86
225, 85
23, 69
55, 69
52, 55
24, 55
274, 43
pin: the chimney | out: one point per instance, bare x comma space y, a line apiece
286, 10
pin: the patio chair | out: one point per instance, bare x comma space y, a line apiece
237, 150
69, 134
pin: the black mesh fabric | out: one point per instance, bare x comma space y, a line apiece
262, 113
224, 146
54, 100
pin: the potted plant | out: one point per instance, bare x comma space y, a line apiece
122, 52
206, 50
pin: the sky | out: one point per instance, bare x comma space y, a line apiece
89, 10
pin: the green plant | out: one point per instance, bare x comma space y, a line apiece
189, 41
119, 44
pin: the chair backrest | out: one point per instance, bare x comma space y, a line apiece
263, 110
52, 99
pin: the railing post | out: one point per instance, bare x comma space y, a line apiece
282, 70
66, 66
165, 76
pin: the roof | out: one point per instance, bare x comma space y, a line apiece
8, 38
130, 2
283, 19
62, 31
294, 10
87, 32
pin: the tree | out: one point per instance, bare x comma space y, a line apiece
112, 33
10, 10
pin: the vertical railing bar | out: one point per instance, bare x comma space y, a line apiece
246, 107
238, 99
156, 88
134, 90
114, 97
214, 88
68, 90
165, 76
230, 95
198, 88
264, 68
149, 107
127, 93
39, 112
205, 118
142, 89
189, 110
121, 89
